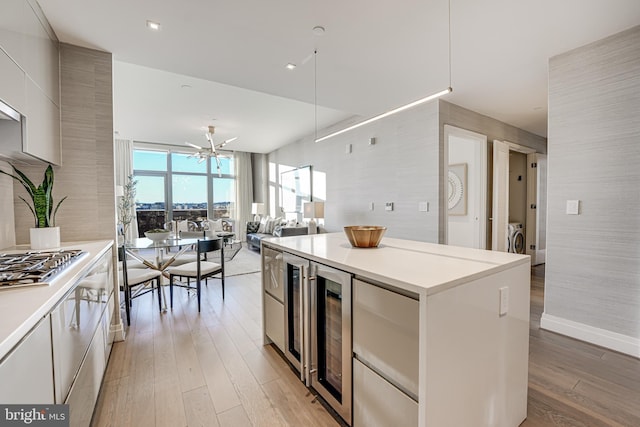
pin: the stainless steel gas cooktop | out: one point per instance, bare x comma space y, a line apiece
35, 268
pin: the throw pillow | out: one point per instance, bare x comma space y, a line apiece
263, 224
271, 225
212, 225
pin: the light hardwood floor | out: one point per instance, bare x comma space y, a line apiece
185, 369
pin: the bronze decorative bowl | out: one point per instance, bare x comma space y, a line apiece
364, 236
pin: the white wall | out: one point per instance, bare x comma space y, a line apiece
593, 270
402, 167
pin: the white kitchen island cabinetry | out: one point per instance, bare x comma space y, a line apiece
450, 350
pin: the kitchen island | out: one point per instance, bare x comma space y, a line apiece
435, 335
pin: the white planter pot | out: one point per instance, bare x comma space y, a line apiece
45, 238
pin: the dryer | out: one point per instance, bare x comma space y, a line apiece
515, 243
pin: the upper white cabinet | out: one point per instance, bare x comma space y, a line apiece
30, 70
42, 138
24, 38
12, 83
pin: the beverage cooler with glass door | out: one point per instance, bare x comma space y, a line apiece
318, 329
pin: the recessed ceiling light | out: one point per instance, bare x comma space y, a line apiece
153, 25
290, 66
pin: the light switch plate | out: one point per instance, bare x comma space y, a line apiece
423, 207
573, 207
347, 149
388, 206
371, 205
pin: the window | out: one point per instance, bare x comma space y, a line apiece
172, 185
223, 198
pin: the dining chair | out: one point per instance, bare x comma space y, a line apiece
131, 278
200, 269
189, 255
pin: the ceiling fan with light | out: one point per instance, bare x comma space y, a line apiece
212, 151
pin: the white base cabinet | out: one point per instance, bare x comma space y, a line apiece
377, 403
26, 373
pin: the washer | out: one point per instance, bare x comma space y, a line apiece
516, 238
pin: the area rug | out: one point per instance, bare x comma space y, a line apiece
245, 261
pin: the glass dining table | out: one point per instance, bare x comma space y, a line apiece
163, 257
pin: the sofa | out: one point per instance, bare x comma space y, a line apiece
254, 237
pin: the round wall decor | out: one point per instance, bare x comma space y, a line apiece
456, 190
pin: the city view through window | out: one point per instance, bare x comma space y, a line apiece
174, 186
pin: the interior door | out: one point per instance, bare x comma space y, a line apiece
532, 207
500, 209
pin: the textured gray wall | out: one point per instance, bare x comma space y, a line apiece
87, 172
402, 167
592, 272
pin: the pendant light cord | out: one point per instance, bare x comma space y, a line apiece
449, 4
315, 93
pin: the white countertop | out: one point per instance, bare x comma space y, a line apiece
420, 267
22, 308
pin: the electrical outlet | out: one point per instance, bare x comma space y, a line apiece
347, 149
504, 300
371, 206
423, 207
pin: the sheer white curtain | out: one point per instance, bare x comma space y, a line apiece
124, 168
244, 192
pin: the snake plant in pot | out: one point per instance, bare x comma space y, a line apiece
45, 234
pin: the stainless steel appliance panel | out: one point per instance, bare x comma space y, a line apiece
296, 312
330, 303
272, 271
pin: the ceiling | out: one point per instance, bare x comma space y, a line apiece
373, 56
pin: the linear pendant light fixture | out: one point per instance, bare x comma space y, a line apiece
403, 107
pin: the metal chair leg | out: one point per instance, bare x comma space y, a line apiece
158, 284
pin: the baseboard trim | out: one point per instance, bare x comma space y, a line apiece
611, 340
